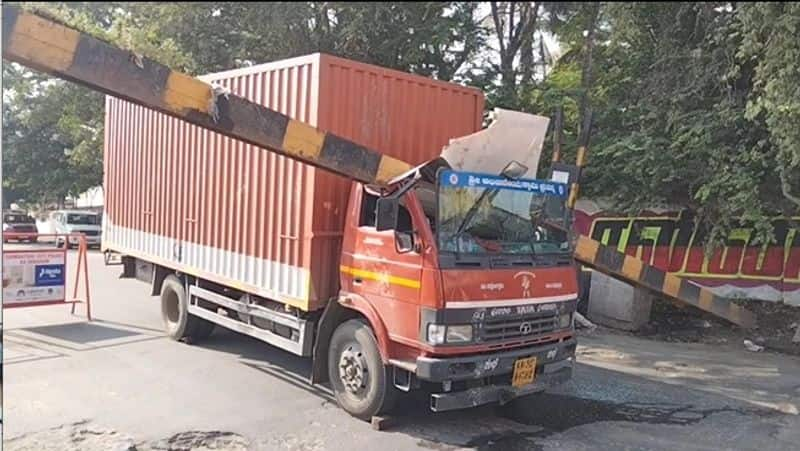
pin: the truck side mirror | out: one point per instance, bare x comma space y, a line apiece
387, 212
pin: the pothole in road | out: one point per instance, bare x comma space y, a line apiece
565, 412
199, 440
557, 413
85, 436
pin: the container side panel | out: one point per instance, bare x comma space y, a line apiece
198, 201
203, 203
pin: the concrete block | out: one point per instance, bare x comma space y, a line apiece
617, 304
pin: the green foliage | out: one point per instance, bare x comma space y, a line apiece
696, 105
694, 108
52, 138
770, 41
44, 117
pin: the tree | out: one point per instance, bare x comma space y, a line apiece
771, 43
430, 38
695, 104
673, 129
52, 138
514, 26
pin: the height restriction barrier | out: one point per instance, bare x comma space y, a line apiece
35, 277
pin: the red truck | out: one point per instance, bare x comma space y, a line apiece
444, 280
241, 212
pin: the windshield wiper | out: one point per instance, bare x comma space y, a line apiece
474, 209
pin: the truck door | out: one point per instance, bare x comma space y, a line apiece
374, 268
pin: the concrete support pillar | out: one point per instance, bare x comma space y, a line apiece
617, 304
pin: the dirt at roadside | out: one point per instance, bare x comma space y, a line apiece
775, 326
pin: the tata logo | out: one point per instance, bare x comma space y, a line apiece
526, 280
525, 328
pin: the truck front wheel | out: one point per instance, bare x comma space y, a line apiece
181, 325
361, 382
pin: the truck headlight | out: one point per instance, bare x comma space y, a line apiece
436, 333
565, 320
459, 334
439, 334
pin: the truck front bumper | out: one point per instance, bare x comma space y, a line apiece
493, 372
91, 240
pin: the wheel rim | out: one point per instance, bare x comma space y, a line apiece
353, 371
172, 308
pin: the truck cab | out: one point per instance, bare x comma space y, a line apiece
468, 283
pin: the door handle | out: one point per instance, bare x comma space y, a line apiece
357, 281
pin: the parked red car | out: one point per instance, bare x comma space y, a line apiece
18, 222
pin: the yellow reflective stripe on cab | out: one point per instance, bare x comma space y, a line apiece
381, 277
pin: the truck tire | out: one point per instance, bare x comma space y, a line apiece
178, 322
361, 382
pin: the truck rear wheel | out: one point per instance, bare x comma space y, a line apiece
179, 323
361, 382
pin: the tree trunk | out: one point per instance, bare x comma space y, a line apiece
586, 69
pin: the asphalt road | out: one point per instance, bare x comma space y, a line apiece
117, 383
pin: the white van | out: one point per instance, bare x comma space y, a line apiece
71, 221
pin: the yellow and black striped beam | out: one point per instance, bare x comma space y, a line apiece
609, 261
50, 47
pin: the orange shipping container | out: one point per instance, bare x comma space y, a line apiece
193, 200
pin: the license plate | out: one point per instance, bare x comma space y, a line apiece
524, 371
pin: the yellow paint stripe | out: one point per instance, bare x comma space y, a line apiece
706, 299
586, 249
185, 93
632, 267
580, 159
381, 277
390, 168
672, 285
42, 43
302, 139
573, 195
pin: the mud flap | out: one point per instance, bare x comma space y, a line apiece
331, 317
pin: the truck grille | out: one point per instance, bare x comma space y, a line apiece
527, 326
90, 232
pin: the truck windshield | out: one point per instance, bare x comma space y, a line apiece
485, 214
83, 219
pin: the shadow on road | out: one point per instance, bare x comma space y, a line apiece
517, 425
81, 333
268, 359
81, 336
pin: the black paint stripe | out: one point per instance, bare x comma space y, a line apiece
118, 73
248, 120
653, 277
689, 292
610, 258
346, 156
